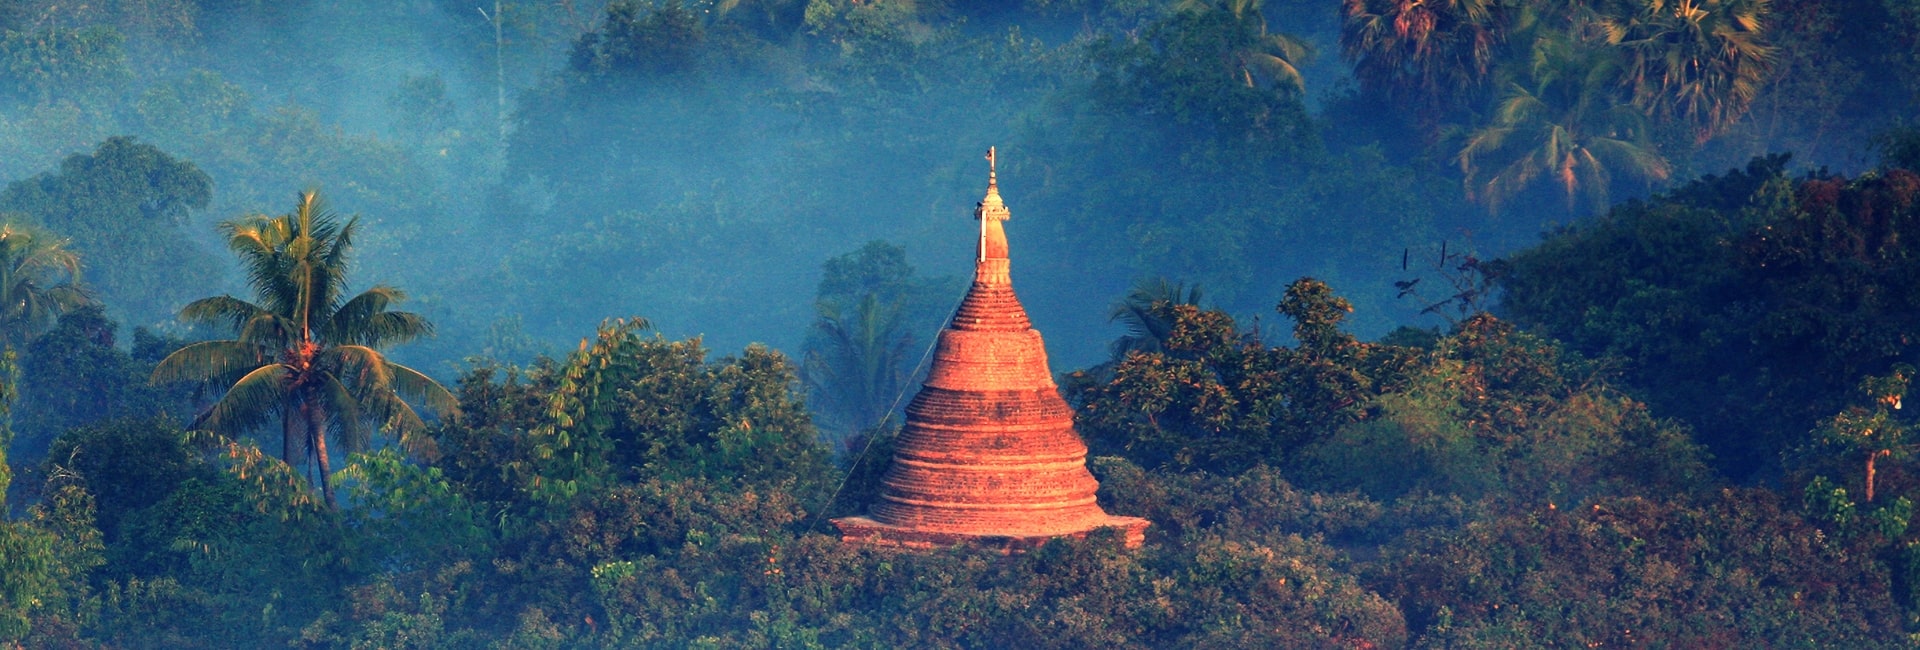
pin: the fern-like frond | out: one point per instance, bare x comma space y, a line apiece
251, 402
209, 360
363, 368
1279, 69
269, 330
394, 328
417, 386
395, 415
220, 310
346, 411
365, 321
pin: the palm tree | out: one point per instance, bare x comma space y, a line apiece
1261, 55
1431, 52
302, 351
1144, 313
855, 362
1702, 61
1562, 120
39, 281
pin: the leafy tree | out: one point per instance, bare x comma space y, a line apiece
640, 41
306, 352
1870, 442
1485, 411
76, 375
1493, 413
632, 448
229, 548
628, 407
37, 276
125, 206
774, 20
1748, 305
9, 393
144, 22
43, 570
23, 576
1630, 571
411, 514
621, 448
200, 105
63, 64
1215, 398
127, 465
1867, 432
1175, 68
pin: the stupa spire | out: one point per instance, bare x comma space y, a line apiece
991, 264
988, 453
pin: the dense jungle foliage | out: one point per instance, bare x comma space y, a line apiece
1469, 323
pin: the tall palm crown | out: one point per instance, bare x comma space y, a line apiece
1145, 315
304, 353
1560, 121
1433, 52
1259, 55
38, 283
857, 371
1700, 60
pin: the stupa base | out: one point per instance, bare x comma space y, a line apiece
862, 530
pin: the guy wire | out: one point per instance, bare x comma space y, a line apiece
824, 506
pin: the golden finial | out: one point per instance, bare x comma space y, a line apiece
993, 240
992, 207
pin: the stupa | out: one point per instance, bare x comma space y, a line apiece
988, 454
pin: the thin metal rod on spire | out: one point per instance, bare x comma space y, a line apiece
993, 183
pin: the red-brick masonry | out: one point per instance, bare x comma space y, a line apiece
988, 454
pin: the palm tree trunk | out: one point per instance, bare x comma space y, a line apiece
1870, 471
317, 432
289, 439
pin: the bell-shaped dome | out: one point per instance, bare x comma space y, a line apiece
988, 452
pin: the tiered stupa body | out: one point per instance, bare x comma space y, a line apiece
988, 453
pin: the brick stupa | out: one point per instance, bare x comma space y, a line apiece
988, 454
